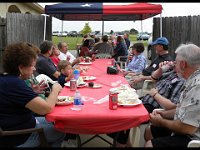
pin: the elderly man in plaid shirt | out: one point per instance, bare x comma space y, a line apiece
167, 90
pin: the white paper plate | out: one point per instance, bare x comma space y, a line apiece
67, 100
85, 63
79, 86
88, 78
95, 86
137, 102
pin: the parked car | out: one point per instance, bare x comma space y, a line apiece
55, 33
73, 33
119, 33
149, 48
64, 33
143, 36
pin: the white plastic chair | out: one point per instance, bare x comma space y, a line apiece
44, 77
194, 143
123, 60
103, 55
147, 86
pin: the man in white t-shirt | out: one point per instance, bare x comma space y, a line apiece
64, 53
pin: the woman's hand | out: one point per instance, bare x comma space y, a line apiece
39, 88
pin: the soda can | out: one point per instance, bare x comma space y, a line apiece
93, 57
112, 62
113, 100
73, 85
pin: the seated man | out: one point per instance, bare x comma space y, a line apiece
161, 47
165, 95
103, 47
182, 124
168, 88
45, 65
64, 52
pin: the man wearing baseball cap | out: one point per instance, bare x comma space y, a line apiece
161, 47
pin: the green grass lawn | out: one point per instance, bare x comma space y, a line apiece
73, 41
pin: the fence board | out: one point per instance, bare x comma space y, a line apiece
178, 30
27, 28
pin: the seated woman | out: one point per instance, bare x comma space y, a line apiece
120, 48
85, 51
54, 55
18, 102
138, 62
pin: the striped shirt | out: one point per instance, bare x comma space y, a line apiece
169, 86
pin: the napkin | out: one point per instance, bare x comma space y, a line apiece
102, 100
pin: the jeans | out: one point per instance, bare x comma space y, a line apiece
54, 137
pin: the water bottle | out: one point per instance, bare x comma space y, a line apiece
76, 74
77, 101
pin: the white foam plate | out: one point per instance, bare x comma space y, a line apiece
79, 86
96, 86
85, 63
137, 102
67, 100
88, 78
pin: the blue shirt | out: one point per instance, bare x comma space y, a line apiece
138, 63
120, 50
61, 79
14, 95
44, 65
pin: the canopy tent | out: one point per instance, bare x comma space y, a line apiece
103, 11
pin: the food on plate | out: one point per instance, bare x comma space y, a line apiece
91, 84
80, 81
71, 98
61, 99
126, 95
88, 59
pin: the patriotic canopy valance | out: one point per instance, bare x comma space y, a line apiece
102, 12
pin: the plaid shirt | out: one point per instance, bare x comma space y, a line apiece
169, 86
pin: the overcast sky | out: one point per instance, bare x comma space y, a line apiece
169, 9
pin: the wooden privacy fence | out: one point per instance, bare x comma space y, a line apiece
25, 28
177, 30
2, 32
18, 27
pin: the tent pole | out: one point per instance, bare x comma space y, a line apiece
62, 31
44, 37
141, 26
161, 25
102, 27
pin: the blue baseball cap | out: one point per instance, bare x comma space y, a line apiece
161, 40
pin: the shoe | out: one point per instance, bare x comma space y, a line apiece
69, 143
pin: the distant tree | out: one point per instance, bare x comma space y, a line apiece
133, 31
87, 29
126, 31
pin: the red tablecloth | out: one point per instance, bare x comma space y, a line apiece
97, 118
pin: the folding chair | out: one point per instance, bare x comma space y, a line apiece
122, 61
103, 55
43, 140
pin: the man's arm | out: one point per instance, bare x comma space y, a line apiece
175, 125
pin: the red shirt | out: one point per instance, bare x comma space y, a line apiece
84, 51
55, 60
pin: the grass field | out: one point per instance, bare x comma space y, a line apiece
73, 41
